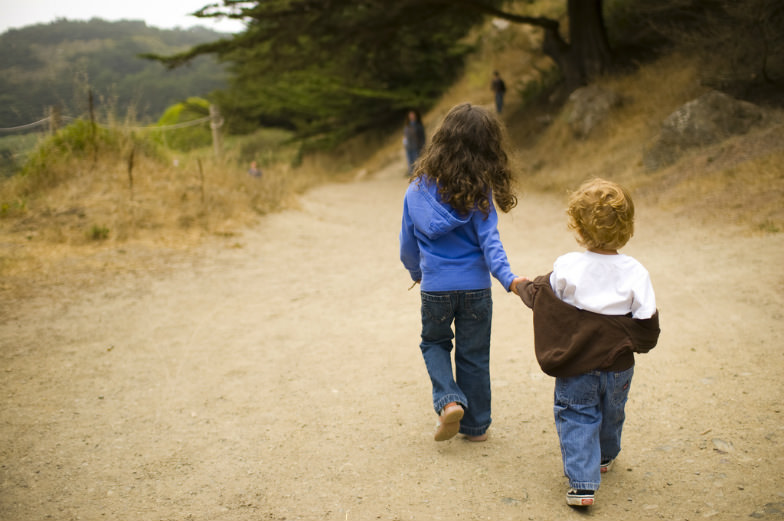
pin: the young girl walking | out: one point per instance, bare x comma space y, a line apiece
449, 243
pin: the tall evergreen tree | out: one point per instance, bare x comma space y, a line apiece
335, 67
342, 65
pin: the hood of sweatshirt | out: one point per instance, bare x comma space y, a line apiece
432, 217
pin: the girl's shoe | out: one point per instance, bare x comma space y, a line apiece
477, 438
579, 498
449, 421
605, 465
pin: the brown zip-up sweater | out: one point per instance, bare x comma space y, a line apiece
570, 341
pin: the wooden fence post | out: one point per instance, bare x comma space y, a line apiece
216, 122
92, 113
201, 178
92, 126
54, 119
130, 170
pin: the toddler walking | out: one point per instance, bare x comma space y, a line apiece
591, 314
449, 242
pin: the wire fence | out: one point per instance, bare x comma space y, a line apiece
38, 123
51, 119
19, 141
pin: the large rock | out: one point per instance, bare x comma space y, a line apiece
590, 106
711, 118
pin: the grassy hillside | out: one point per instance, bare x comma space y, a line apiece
84, 201
55, 64
739, 181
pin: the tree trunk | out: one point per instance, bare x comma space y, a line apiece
587, 55
556, 48
588, 37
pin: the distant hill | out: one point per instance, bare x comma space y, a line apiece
57, 63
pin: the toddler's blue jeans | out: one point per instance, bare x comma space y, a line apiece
589, 416
471, 312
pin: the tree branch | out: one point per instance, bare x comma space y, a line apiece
486, 8
176, 60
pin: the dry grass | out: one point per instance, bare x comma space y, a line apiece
84, 211
80, 207
614, 148
739, 182
155, 201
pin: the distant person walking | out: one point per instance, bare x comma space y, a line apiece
413, 138
499, 88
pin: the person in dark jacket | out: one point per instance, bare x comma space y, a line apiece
498, 87
591, 314
413, 138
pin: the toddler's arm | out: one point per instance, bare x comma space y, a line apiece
525, 290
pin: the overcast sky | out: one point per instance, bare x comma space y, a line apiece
164, 14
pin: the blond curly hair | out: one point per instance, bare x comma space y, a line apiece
601, 213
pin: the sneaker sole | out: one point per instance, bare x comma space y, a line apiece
579, 501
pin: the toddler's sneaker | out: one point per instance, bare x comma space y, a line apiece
605, 465
579, 498
449, 421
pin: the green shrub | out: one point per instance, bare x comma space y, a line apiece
14, 150
187, 138
77, 140
98, 233
52, 160
12, 207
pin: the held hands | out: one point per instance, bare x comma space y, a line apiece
512, 286
515, 282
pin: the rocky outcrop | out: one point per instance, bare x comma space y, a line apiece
590, 106
709, 119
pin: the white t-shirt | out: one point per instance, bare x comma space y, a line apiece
606, 284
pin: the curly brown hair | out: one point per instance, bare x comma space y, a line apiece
466, 157
601, 213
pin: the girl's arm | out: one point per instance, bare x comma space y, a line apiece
409, 248
492, 248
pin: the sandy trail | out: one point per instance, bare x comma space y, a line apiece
277, 375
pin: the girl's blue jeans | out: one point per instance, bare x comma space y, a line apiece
412, 154
589, 415
471, 312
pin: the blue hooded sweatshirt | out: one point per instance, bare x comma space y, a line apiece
447, 251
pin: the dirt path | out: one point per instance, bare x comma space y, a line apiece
277, 376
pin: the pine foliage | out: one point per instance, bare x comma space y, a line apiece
330, 69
